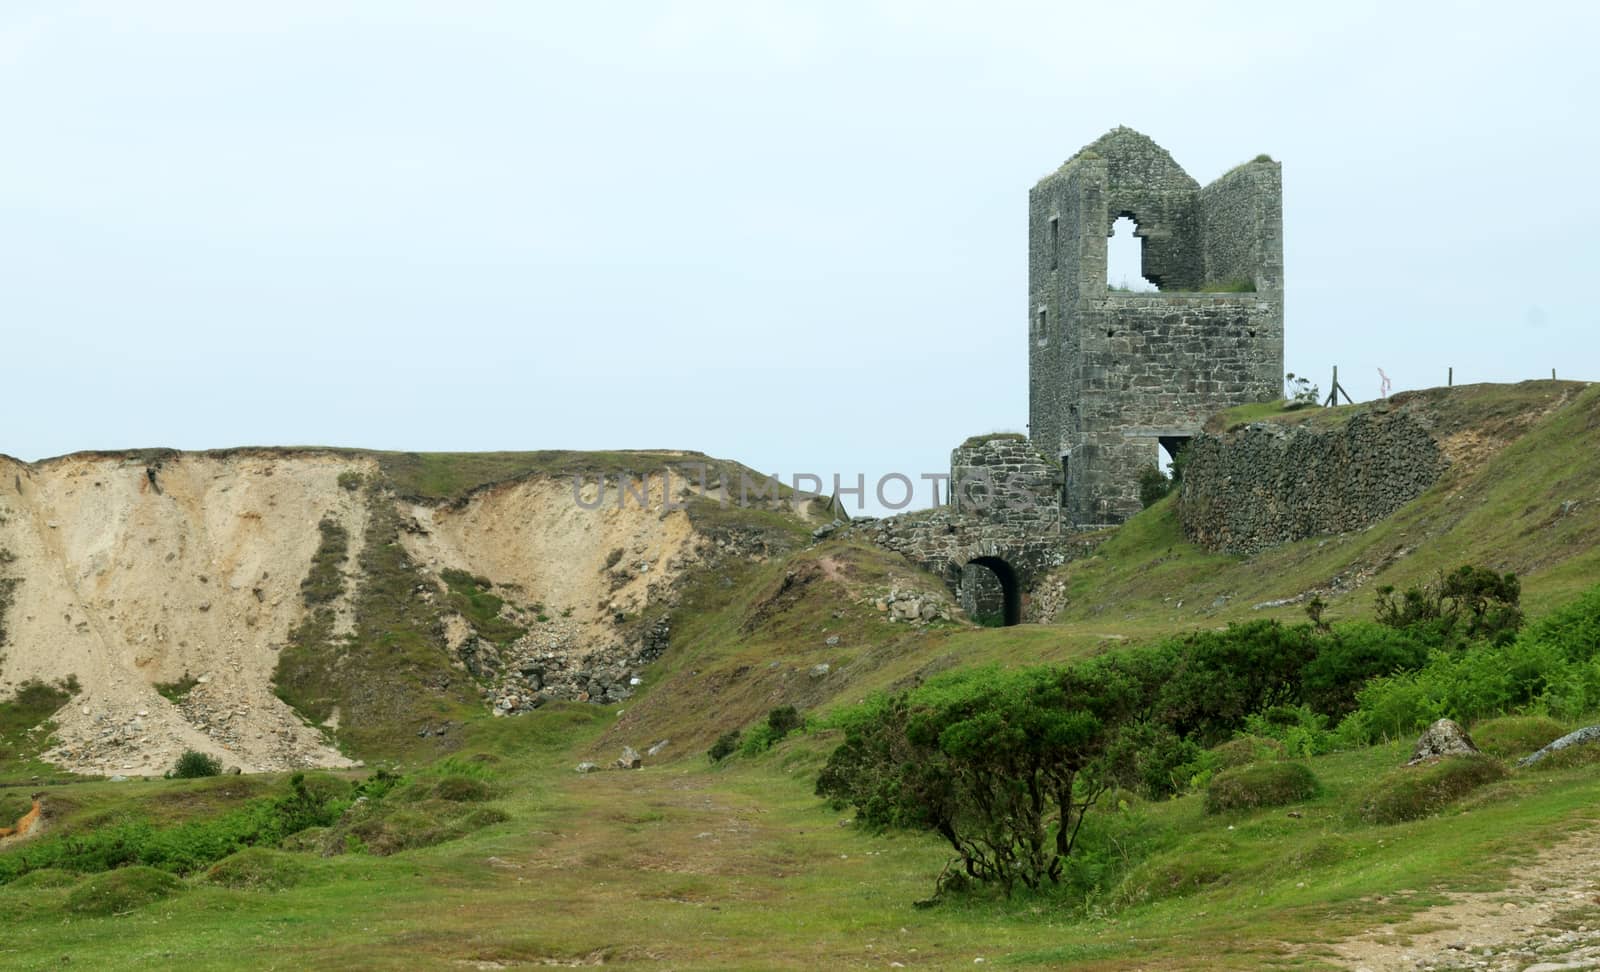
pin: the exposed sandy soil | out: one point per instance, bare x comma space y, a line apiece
582, 565
133, 575
129, 582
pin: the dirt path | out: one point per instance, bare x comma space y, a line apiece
1547, 919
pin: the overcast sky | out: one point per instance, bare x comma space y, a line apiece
788, 234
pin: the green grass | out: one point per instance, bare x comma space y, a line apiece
25, 729
473, 597
738, 865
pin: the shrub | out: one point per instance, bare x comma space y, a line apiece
1351, 654
1413, 792
1260, 785
120, 891
780, 722
1509, 737
256, 869
784, 720
194, 764
726, 745
1002, 764
1470, 602
1153, 485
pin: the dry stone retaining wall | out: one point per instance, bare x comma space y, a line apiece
1270, 483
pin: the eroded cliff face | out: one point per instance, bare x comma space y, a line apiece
133, 574
189, 572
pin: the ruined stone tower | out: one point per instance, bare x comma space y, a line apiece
1113, 376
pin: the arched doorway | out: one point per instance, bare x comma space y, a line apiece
991, 592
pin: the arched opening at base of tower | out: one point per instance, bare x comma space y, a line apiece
991, 594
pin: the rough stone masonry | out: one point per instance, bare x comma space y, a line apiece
1112, 376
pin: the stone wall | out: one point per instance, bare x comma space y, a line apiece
1002, 479
1111, 374
1271, 483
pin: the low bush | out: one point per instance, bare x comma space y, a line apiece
1260, 785
1413, 792
780, 722
256, 869
726, 745
121, 891
194, 764
1511, 737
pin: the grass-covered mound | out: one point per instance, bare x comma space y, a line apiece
1512, 737
1246, 750
1260, 785
121, 891
1413, 792
257, 869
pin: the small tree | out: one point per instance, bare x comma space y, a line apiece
1002, 765
194, 764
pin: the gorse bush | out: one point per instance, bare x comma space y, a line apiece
726, 745
1006, 765
1002, 765
1551, 668
779, 723
194, 765
1469, 603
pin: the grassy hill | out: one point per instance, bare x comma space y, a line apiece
689, 864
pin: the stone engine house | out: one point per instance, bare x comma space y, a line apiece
1114, 377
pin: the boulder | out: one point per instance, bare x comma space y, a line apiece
587, 767
1443, 738
1588, 734
629, 759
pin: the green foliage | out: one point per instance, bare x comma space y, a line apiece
1553, 668
177, 691
325, 582
1246, 749
1153, 485
1002, 764
192, 845
1300, 392
1260, 785
24, 729
351, 481
1512, 737
462, 789
1352, 653
473, 598
726, 745
256, 869
1412, 792
194, 764
779, 723
1236, 286
1468, 603
121, 891
394, 671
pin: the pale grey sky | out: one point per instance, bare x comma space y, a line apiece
789, 234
